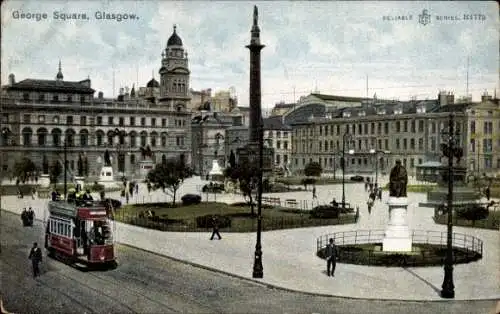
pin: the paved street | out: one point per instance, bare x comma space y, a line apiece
148, 283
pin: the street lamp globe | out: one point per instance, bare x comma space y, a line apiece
351, 151
372, 151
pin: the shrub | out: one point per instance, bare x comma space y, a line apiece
473, 213
213, 188
115, 203
325, 211
206, 221
190, 199
357, 178
96, 187
308, 181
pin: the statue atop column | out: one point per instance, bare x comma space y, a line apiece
398, 181
107, 159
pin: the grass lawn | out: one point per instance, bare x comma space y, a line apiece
183, 218
319, 181
492, 222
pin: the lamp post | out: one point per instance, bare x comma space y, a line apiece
345, 138
450, 150
258, 269
65, 148
376, 153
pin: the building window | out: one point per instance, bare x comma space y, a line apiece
433, 127
412, 127
41, 97
69, 99
179, 140
132, 159
69, 120
386, 144
473, 127
405, 126
99, 121
110, 120
82, 99
421, 144
133, 140
41, 119
397, 143
412, 143
488, 162
55, 98
163, 140
132, 121
83, 120
99, 138
42, 138
121, 121
420, 126
412, 163
26, 96
84, 139
398, 126
473, 145
153, 121
27, 118
143, 121
487, 145
164, 123
278, 145
386, 128
143, 140
433, 144
405, 144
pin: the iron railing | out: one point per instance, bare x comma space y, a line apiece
470, 246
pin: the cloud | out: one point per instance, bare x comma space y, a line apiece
331, 46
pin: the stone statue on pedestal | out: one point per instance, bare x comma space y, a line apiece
107, 159
398, 181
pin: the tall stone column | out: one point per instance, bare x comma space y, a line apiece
255, 89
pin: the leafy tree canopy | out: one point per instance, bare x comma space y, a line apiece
313, 169
23, 168
169, 176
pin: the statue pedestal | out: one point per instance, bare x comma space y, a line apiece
145, 166
44, 180
397, 234
80, 181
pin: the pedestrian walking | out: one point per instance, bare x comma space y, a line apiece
35, 257
487, 193
314, 193
215, 226
331, 258
379, 194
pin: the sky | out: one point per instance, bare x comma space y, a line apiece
357, 48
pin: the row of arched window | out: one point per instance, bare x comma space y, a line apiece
83, 139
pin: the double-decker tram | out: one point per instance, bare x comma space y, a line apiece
79, 232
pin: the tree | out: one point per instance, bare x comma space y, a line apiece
169, 176
312, 169
248, 177
24, 168
55, 171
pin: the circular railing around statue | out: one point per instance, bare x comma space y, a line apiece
364, 247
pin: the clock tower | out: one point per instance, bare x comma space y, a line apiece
174, 74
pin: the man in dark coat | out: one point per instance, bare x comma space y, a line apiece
215, 226
35, 257
331, 258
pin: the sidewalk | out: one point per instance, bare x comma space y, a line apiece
289, 257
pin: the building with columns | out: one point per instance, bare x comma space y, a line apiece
40, 116
381, 132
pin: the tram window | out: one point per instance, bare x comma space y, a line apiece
59, 228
